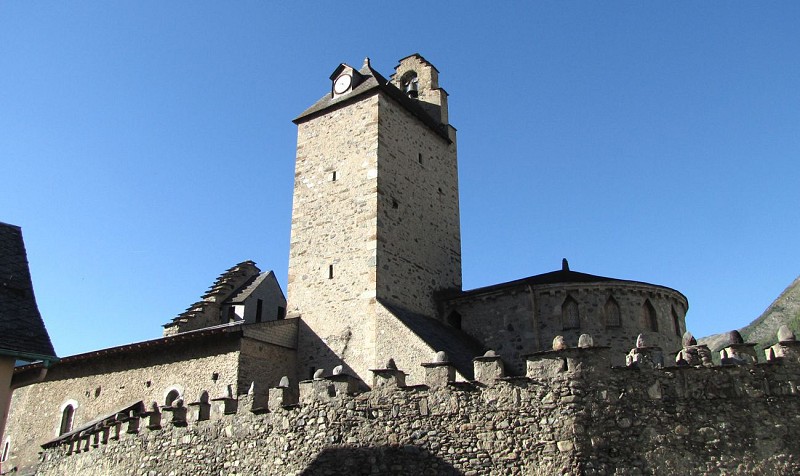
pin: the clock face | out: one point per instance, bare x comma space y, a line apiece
342, 83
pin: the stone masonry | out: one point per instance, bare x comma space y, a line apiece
374, 220
521, 318
573, 413
215, 362
379, 363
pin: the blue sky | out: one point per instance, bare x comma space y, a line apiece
148, 146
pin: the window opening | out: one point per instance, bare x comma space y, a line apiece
676, 321
6, 448
281, 312
333, 176
259, 309
611, 311
419, 158
394, 203
67, 417
330, 272
454, 319
411, 84
649, 317
569, 314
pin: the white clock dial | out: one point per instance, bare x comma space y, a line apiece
342, 83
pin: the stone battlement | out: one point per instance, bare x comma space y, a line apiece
572, 412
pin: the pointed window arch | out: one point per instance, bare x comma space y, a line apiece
612, 313
570, 315
649, 319
676, 321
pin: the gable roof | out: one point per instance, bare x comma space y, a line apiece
373, 83
251, 285
22, 332
226, 285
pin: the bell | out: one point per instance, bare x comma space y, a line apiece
412, 89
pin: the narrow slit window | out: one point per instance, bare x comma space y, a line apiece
259, 309
419, 158
330, 272
333, 176
6, 448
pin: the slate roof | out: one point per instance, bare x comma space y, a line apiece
561, 276
226, 283
22, 331
196, 337
460, 347
373, 82
248, 287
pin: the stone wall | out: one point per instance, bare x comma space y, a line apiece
419, 237
333, 240
374, 219
105, 381
572, 414
520, 319
264, 364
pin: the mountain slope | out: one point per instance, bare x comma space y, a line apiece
763, 331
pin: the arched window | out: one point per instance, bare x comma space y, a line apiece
676, 321
454, 319
67, 417
611, 313
649, 319
570, 317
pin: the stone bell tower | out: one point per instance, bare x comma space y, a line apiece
375, 218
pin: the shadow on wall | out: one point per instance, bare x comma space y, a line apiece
318, 355
378, 460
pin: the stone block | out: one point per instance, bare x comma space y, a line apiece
738, 354
438, 374
488, 369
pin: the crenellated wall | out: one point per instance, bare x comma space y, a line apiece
572, 413
197, 366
